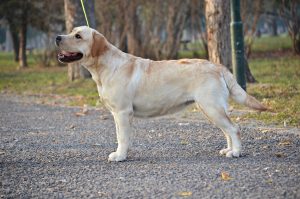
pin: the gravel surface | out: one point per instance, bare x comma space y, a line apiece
59, 152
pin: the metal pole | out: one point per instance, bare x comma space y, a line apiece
237, 43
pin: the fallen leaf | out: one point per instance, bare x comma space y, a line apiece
269, 181
102, 193
279, 155
266, 168
285, 143
185, 193
72, 126
184, 142
85, 109
80, 114
284, 123
265, 131
225, 176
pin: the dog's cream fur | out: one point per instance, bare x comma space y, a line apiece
133, 86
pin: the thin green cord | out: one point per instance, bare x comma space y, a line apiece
82, 5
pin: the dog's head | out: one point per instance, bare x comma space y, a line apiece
83, 42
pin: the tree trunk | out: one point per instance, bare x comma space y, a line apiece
22, 36
13, 41
289, 12
75, 17
133, 28
217, 14
177, 13
274, 26
16, 44
249, 77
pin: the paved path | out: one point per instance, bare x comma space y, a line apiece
50, 152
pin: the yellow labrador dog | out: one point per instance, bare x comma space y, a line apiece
134, 86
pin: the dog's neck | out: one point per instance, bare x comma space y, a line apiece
114, 58
106, 65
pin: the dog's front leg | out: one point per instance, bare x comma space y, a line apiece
123, 128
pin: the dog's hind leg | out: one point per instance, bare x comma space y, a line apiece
123, 128
216, 114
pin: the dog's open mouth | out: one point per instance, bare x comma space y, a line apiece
67, 57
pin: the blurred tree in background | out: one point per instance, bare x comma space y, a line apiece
217, 14
151, 29
290, 12
19, 15
74, 17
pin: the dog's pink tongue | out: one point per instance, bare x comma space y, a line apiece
66, 53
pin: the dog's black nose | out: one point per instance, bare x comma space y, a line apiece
57, 40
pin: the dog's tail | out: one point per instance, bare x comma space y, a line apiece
239, 95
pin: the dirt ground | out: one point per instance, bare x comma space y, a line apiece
49, 150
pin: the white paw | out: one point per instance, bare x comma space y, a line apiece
116, 157
233, 154
224, 151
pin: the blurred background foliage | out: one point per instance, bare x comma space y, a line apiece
154, 29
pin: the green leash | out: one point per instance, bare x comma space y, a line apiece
87, 21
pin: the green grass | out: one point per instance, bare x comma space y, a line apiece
266, 44
44, 81
278, 87
279, 80
260, 45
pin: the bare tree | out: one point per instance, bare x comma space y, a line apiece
15, 37
26, 13
13, 19
51, 24
17, 22
175, 23
75, 17
251, 11
290, 12
197, 20
151, 29
22, 35
133, 28
111, 21
217, 13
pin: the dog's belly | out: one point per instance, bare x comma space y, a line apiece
162, 96
153, 109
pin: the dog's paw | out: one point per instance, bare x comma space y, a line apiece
225, 151
116, 157
233, 154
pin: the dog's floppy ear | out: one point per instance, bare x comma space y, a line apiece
99, 45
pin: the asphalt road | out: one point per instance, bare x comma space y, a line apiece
52, 152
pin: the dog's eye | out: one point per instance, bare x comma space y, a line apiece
77, 36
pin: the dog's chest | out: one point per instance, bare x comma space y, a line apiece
104, 97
